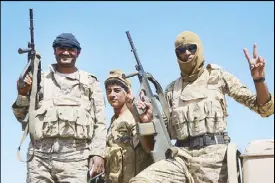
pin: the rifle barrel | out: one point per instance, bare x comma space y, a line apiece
140, 68
31, 29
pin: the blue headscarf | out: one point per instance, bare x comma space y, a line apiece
66, 40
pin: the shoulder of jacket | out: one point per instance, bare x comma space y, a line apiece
213, 67
44, 73
87, 74
214, 70
170, 86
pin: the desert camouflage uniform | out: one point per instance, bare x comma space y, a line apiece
126, 156
199, 108
71, 119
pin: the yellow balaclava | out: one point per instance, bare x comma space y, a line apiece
118, 75
192, 69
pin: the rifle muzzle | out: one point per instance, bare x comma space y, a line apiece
130, 75
21, 51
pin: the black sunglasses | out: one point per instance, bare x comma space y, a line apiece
191, 48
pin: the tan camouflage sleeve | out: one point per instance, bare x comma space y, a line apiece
133, 129
235, 89
20, 107
98, 143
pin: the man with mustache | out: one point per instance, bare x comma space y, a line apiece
125, 155
198, 115
70, 119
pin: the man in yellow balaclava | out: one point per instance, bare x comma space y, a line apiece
198, 115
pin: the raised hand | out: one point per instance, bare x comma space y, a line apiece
256, 64
147, 116
96, 166
28, 82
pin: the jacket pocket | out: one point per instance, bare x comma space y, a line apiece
39, 121
50, 123
67, 118
197, 113
179, 123
189, 117
84, 124
114, 166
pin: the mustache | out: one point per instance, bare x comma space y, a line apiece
65, 56
113, 99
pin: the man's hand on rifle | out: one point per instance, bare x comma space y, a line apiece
28, 83
147, 116
96, 166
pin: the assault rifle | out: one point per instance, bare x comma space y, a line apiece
33, 68
157, 127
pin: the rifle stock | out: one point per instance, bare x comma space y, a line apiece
162, 140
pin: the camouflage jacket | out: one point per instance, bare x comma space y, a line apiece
199, 107
126, 157
69, 86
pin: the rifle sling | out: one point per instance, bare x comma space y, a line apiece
161, 96
25, 134
30, 128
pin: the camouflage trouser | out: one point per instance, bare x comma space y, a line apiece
207, 165
42, 170
58, 161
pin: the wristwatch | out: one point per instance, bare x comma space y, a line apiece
262, 79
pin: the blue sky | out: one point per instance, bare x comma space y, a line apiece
225, 28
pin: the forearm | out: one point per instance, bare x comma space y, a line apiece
262, 102
263, 95
98, 143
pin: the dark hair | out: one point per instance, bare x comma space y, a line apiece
116, 82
